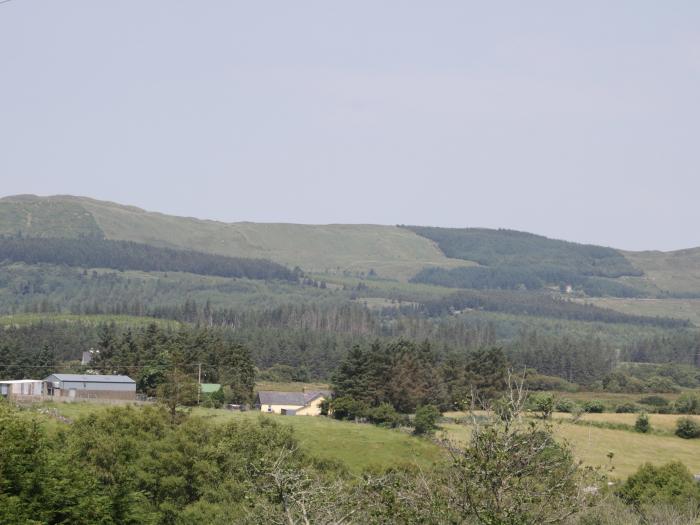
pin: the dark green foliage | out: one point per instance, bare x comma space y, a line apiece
667, 484
511, 260
626, 408
348, 408
542, 403
675, 349
425, 421
124, 255
576, 359
687, 428
535, 381
386, 415
151, 355
642, 423
504, 247
400, 373
654, 401
407, 375
625, 380
523, 278
539, 304
593, 407
564, 405
687, 403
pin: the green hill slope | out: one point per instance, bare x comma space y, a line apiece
390, 251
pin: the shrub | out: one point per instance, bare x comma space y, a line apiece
386, 415
654, 401
542, 403
687, 428
626, 408
425, 421
348, 408
564, 405
594, 407
667, 484
687, 403
642, 423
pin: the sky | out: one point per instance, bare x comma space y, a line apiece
575, 120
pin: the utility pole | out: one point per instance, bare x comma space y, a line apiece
199, 381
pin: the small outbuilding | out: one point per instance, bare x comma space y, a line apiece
21, 388
291, 403
79, 386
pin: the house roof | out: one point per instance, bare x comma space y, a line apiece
90, 378
269, 397
19, 381
210, 388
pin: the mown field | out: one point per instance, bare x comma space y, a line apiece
677, 308
362, 446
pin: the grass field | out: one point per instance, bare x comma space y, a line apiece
677, 308
662, 422
677, 271
361, 446
592, 445
609, 398
357, 446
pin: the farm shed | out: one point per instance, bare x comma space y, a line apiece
21, 387
291, 403
80, 386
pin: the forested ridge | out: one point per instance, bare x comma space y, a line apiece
126, 255
515, 260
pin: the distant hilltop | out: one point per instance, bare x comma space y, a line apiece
461, 258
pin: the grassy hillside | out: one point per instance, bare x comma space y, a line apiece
390, 251
362, 446
676, 308
677, 273
46, 218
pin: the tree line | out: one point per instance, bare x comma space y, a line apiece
537, 304
126, 255
527, 277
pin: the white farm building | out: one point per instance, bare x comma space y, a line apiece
18, 388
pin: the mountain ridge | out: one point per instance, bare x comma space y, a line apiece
393, 252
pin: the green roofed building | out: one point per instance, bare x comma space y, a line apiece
210, 388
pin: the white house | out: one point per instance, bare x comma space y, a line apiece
291, 403
21, 387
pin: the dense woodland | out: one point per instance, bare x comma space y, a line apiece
544, 305
514, 248
124, 255
525, 277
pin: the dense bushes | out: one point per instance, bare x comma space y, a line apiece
687, 428
667, 484
425, 421
593, 407
642, 423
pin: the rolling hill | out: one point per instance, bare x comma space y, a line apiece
446, 257
390, 251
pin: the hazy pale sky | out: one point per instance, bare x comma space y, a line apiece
577, 120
